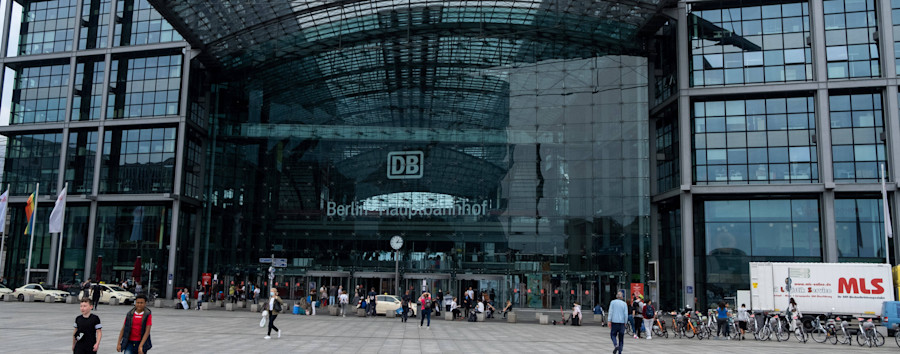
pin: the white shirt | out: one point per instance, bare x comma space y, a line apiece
576, 311
480, 307
453, 305
271, 303
471, 294
256, 291
344, 298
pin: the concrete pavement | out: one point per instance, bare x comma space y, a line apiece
47, 328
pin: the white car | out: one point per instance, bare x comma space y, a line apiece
4, 291
41, 292
385, 303
115, 292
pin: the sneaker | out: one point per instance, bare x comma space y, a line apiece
635, 337
420, 326
279, 333
267, 337
429, 327
649, 338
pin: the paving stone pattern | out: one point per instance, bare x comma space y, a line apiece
47, 328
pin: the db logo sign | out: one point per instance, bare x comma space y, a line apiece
404, 164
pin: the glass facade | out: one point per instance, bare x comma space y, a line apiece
859, 229
755, 141
851, 47
508, 142
145, 87
857, 141
138, 161
39, 95
749, 44
736, 232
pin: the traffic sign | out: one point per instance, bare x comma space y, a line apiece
279, 262
265, 260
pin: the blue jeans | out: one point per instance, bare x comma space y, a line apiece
426, 313
131, 347
617, 331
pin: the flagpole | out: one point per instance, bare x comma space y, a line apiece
61, 233
888, 230
37, 187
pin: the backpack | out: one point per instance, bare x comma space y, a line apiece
649, 311
277, 306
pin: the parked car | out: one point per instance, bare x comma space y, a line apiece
385, 303
115, 292
40, 292
4, 291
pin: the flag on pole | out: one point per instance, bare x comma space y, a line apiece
4, 201
30, 207
888, 229
59, 213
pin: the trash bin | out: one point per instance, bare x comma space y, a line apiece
296, 309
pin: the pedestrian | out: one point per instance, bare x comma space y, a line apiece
743, 317
313, 303
323, 296
95, 295
231, 295
426, 303
637, 308
343, 299
332, 295
184, 298
87, 334
576, 314
256, 295
793, 312
404, 304
199, 299
507, 309
618, 314
722, 320
454, 308
647, 313
86, 288
370, 302
134, 338
275, 307
138, 288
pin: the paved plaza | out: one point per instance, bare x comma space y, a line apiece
47, 328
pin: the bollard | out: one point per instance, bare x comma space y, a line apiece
254, 308
9, 298
229, 307
29, 298
241, 304
113, 302
333, 310
545, 319
511, 317
49, 299
390, 314
72, 300
205, 306
479, 317
448, 315
158, 303
537, 316
360, 312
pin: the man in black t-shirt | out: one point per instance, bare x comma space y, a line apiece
86, 338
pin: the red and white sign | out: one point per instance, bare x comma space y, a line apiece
637, 289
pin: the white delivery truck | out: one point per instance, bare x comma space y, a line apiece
849, 290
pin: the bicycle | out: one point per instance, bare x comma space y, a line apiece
774, 325
844, 336
799, 333
659, 327
896, 335
868, 334
820, 333
682, 325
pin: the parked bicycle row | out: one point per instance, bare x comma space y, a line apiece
723, 324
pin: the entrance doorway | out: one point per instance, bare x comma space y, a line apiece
382, 282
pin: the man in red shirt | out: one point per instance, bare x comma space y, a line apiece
137, 322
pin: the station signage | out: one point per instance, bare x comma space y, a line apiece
460, 208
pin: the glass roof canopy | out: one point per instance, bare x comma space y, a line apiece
400, 71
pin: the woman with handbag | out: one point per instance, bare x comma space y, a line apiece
275, 306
